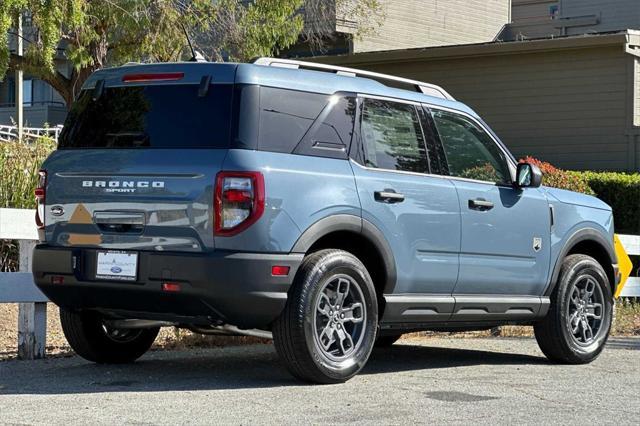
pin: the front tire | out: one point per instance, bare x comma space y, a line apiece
577, 325
328, 328
93, 340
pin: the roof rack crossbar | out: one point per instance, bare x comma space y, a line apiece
418, 86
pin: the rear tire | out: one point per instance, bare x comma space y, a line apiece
90, 338
577, 325
327, 330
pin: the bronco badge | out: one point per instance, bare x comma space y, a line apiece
537, 244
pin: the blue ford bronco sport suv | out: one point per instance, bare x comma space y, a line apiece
331, 208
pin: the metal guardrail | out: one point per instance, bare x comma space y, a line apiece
10, 133
18, 287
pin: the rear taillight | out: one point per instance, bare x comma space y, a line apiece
40, 193
239, 201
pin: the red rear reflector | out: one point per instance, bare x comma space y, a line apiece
236, 196
278, 270
39, 193
160, 76
57, 279
172, 287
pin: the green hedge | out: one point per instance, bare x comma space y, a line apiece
622, 192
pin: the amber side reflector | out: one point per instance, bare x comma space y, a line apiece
160, 76
171, 287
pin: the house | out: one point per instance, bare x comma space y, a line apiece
42, 104
414, 23
561, 82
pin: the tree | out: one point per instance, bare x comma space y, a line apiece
67, 40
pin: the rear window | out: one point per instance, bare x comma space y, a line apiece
160, 116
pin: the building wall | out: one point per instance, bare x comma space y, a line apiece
36, 116
613, 15
568, 107
424, 23
531, 19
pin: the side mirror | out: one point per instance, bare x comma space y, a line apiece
528, 176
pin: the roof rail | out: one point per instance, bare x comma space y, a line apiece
417, 86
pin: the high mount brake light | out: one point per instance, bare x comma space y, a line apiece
238, 201
160, 76
41, 193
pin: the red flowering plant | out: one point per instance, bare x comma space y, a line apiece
558, 178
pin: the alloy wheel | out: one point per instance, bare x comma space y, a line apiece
585, 310
339, 320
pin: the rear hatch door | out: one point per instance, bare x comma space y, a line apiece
137, 159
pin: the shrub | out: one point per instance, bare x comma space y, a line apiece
558, 178
19, 165
622, 192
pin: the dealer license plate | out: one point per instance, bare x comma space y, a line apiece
117, 265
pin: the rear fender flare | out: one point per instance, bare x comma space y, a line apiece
355, 224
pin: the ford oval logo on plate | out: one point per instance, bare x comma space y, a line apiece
116, 269
57, 210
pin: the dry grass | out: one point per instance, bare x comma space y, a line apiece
627, 323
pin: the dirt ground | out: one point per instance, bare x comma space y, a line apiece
627, 323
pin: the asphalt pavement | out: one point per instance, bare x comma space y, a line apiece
434, 380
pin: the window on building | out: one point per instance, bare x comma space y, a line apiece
470, 152
27, 92
392, 137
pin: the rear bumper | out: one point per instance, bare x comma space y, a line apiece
230, 287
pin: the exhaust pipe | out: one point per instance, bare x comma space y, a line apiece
232, 330
138, 323
220, 330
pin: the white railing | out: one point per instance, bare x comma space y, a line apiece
18, 287
10, 133
631, 244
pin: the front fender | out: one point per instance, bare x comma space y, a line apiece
579, 233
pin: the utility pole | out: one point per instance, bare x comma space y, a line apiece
19, 78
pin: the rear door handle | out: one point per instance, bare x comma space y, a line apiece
480, 204
388, 196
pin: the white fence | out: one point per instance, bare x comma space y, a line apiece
18, 287
10, 133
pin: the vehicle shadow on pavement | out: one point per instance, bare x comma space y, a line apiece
255, 366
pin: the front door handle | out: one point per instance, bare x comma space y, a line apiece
480, 204
388, 196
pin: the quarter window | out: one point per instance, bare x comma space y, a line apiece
470, 152
392, 137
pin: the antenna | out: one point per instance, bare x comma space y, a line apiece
195, 55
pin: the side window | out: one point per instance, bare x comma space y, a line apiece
285, 117
392, 137
330, 135
470, 152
